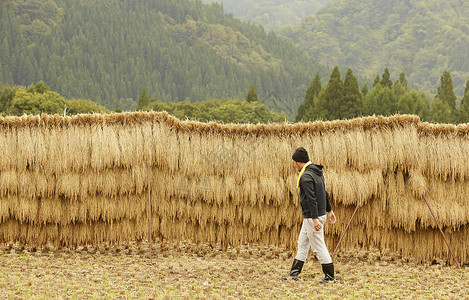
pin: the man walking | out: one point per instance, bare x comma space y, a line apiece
315, 203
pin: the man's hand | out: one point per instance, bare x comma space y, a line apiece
317, 225
331, 217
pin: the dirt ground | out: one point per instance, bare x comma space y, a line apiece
194, 272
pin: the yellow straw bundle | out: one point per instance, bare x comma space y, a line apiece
84, 180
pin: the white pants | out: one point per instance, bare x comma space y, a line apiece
309, 237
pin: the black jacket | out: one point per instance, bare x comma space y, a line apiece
314, 198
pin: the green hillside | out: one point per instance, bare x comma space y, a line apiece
272, 14
179, 50
422, 38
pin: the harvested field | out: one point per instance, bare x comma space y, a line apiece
199, 272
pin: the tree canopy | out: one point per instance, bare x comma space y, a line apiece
220, 110
345, 100
38, 98
306, 108
252, 95
143, 99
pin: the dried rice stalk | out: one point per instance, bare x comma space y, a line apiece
83, 180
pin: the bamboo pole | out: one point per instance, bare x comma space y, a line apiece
343, 234
149, 212
439, 227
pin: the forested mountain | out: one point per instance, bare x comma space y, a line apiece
422, 38
179, 50
272, 14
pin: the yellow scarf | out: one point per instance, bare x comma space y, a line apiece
301, 172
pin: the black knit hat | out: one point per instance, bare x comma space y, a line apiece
300, 155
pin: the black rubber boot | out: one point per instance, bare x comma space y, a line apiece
295, 270
328, 270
